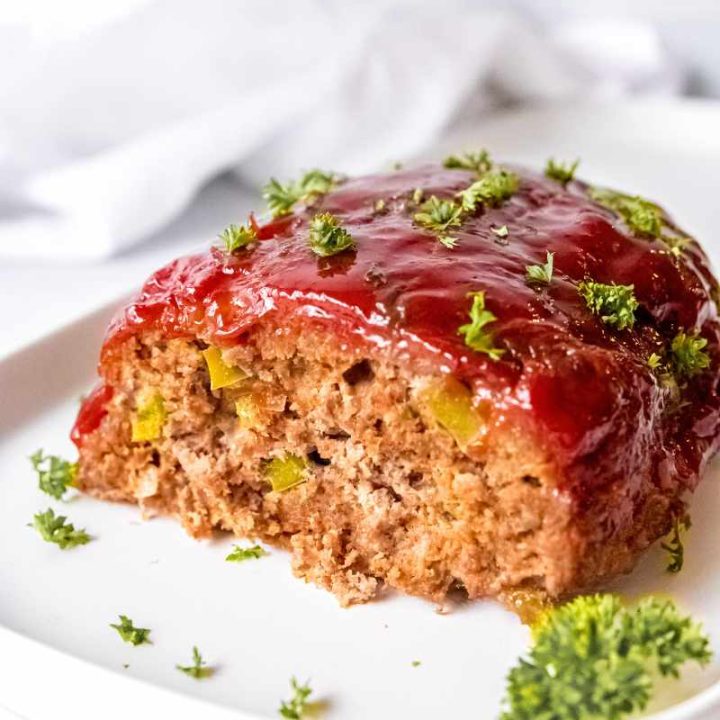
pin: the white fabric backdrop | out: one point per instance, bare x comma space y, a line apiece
112, 116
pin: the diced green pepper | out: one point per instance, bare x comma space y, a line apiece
147, 424
286, 472
221, 374
451, 404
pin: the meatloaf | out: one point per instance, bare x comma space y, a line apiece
458, 377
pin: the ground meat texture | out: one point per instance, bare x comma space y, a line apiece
356, 429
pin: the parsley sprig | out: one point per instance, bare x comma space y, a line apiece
281, 199
129, 633
654, 361
296, 707
594, 658
615, 304
641, 216
688, 356
198, 669
477, 336
561, 172
240, 554
439, 216
493, 188
327, 237
55, 529
55, 475
540, 274
674, 544
478, 162
237, 237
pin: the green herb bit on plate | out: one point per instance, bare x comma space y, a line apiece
55, 475
296, 707
54, 529
240, 554
199, 668
131, 634
594, 658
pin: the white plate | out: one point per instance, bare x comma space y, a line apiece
255, 622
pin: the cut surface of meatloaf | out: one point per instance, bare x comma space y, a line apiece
469, 377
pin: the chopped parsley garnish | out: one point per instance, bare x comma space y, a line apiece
491, 189
129, 633
674, 545
641, 216
654, 361
296, 707
540, 274
615, 304
439, 216
198, 669
240, 554
55, 475
327, 237
478, 162
237, 237
561, 172
282, 198
688, 356
380, 206
594, 658
416, 663
476, 335
54, 529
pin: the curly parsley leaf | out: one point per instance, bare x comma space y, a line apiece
540, 274
478, 162
561, 172
593, 658
198, 669
327, 237
296, 707
439, 216
237, 237
641, 216
129, 633
55, 475
654, 361
615, 304
476, 334
281, 199
54, 529
688, 354
674, 544
492, 189
240, 554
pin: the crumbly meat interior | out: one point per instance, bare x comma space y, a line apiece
389, 497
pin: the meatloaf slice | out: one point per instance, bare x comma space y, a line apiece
449, 377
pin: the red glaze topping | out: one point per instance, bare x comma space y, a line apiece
92, 411
583, 383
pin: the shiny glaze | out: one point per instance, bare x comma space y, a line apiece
582, 385
92, 411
